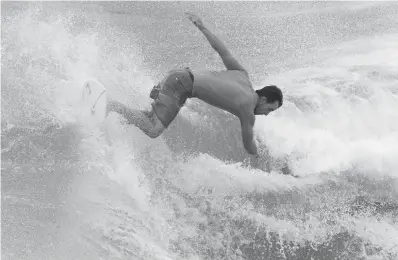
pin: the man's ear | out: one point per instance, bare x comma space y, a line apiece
263, 100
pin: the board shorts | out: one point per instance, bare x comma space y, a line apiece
171, 93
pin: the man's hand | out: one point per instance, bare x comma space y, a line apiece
253, 161
260, 160
195, 20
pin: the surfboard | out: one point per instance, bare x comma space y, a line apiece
94, 101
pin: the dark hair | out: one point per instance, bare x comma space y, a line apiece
272, 93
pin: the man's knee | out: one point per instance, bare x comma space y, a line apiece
155, 132
157, 125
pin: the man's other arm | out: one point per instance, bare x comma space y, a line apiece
247, 124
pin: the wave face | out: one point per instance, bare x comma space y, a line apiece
70, 191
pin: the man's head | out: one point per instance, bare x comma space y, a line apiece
270, 98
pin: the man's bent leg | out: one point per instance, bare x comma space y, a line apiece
170, 95
146, 121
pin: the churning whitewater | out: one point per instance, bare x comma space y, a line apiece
74, 191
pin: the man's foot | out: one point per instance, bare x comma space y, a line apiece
155, 92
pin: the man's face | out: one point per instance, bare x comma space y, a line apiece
264, 108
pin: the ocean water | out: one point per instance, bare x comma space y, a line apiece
74, 191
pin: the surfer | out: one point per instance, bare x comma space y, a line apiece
230, 90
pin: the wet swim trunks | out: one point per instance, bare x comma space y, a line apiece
174, 90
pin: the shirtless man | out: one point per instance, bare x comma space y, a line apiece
230, 90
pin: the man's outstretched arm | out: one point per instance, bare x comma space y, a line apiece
247, 124
229, 61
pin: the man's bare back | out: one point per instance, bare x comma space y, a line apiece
228, 90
